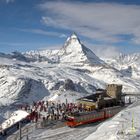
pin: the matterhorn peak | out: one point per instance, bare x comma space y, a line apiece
72, 40
74, 36
74, 51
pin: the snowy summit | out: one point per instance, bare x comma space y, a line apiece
74, 51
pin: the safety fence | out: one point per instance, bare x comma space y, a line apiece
25, 131
28, 129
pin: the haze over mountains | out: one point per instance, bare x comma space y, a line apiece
68, 73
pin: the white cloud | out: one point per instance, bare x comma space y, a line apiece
107, 51
103, 51
99, 21
12, 43
136, 32
43, 32
50, 47
9, 1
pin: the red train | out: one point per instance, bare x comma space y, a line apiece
93, 116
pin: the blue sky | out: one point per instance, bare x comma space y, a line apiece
109, 26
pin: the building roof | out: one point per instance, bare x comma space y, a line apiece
91, 98
94, 97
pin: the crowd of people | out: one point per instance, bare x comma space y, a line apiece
45, 111
51, 111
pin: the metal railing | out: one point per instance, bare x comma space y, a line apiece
25, 131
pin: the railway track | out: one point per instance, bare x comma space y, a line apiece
64, 133
136, 103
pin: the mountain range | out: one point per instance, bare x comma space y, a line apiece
68, 73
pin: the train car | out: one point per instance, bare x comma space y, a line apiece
111, 111
93, 116
13, 121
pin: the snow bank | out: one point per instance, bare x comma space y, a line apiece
124, 126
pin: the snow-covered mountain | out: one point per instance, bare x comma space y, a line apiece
128, 64
67, 73
73, 52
